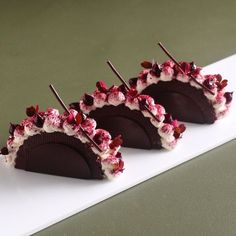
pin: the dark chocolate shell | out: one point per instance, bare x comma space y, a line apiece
183, 101
58, 154
137, 131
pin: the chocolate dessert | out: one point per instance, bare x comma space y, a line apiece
63, 144
183, 90
141, 122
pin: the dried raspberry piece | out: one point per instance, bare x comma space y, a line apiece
168, 119
4, 151
31, 111
121, 166
117, 141
218, 77
146, 64
123, 89
98, 138
176, 134
209, 83
182, 128
133, 82
132, 93
70, 119
39, 120
12, 128
186, 67
88, 99
118, 155
223, 83
101, 86
80, 117
179, 130
228, 96
75, 106
20, 128
156, 71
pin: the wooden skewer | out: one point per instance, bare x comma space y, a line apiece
128, 88
68, 112
179, 66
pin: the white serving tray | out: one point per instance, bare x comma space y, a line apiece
30, 202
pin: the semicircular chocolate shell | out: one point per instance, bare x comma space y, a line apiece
183, 101
136, 130
58, 154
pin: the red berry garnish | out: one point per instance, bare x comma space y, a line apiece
121, 165
176, 133
75, 106
221, 84
30, 111
70, 119
4, 151
133, 82
80, 117
118, 155
132, 93
228, 96
12, 128
168, 119
88, 99
224, 83
117, 141
39, 120
182, 128
98, 138
101, 86
209, 83
156, 71
146, 64
218, 77
186, 67
123, 89
179, 130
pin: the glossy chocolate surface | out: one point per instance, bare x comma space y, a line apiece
58, 154
183, 101
136, 130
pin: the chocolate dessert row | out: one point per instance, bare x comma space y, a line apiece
142, 113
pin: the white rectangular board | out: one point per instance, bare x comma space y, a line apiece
30, 202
